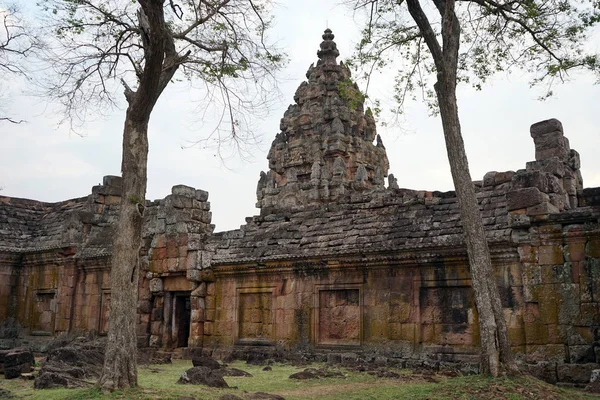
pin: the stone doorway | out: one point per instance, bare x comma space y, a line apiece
181, 320
43, 313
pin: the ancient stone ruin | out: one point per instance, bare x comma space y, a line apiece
336, 264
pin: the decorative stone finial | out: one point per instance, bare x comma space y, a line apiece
329, 51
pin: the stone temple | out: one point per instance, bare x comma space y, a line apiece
336, 262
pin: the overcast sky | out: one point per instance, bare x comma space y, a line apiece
43, 162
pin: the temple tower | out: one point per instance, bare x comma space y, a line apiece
328, 147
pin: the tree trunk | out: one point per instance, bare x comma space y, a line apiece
120, 368
487, 297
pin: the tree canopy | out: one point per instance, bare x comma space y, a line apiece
546, 39
17, 42
221, 44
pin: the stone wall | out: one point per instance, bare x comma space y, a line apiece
175, 234
402, 253
55, 260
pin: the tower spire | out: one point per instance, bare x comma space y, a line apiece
329, 51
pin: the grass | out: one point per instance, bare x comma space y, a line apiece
159, 382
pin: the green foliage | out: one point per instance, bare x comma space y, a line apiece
545, 38
351, 93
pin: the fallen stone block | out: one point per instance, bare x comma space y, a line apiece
17, 362
203, 376
575, 373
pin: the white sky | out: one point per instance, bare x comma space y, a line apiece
43, 162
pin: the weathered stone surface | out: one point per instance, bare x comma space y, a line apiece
182, 190
523, 198
203, 376
544, 127
594, 385
67, 366
325, 149
544, 370
229, 371
203, 361
575, 373
316, 373
16, 362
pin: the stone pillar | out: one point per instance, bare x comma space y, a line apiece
549, 184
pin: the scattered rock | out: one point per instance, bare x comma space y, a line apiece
229, 371
306, 374
314, 373
72, 366
594, 385
267, 368
256, 358
203, 361
16, 362
203, 376
383, 373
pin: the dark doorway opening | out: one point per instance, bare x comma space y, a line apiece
182, 320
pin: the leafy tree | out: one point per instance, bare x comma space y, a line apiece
457, 41
17, 41
142, 44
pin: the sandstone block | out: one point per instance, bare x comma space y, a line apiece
552, 145
178, 201
574, 159
488, 178
112, 180
16, 362
194, 275
156, 285
544, 370
183, 190
523, 198
543, 127
144, 306
552, 165
575, 373
526, 179
201, 195
518, 220
542, 209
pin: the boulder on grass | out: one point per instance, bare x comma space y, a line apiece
203, 376
229, 371
16, 362
75, 365
204, 361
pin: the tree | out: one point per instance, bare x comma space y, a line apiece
17, 41
467, 41
142, 44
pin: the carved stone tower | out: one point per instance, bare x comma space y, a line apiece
325, 150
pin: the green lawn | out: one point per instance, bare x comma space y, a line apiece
159, 382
